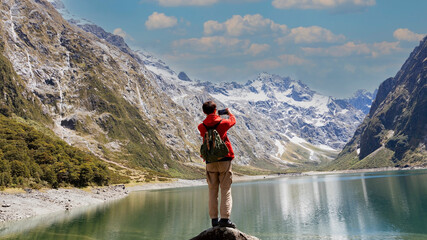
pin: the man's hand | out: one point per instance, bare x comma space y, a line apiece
228, 111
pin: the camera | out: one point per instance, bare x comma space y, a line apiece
222, 112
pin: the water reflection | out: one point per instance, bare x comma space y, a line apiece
357, 206
352, 206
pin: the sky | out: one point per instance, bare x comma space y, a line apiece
333, 46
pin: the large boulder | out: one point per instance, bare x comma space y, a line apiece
223, 234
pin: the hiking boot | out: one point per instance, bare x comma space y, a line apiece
215, 222
226, 223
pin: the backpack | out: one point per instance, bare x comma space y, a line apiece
213, 148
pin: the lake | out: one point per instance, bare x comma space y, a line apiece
380, 205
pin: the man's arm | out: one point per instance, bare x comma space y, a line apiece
231, 119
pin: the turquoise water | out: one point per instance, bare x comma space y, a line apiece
385, 205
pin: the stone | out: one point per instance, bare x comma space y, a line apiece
223, 233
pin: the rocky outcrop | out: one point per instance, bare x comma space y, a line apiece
395, 129
217, 233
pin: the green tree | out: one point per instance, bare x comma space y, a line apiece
49, 175
5, 179
19, 169
86, 174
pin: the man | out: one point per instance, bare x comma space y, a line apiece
218, 174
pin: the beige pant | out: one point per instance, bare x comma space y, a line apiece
218, 174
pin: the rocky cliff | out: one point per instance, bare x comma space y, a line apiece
394, 133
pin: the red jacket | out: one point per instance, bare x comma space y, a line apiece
211, 120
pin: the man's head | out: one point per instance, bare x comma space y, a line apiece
209, 107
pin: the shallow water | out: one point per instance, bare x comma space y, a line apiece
384, 205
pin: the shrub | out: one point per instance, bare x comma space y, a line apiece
31, 158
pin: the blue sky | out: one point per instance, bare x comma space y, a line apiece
334, 46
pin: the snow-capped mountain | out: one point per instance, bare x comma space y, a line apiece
362, 100
278, 116
291, 107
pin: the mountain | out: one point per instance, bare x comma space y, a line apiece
292, 108
96, 96
31, 157
280, 120
132, 110
394, 133
362, 100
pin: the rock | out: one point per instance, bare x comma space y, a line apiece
5, 205
183, 76
69, 123
224, 234
68, 207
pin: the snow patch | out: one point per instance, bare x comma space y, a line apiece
141, 103
299, 141
325, 147
280, 147
32, 82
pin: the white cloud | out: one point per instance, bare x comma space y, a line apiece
311, 34
211, 27
384, 48
256, 49
322, 4
120, 32
290, 59
248, 24
159, 21
175, 3
214, 43
404, 34
351, 48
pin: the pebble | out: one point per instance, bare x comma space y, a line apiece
53, 200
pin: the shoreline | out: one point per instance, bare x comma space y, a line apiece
19, 205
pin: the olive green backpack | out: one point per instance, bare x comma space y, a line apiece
213, 148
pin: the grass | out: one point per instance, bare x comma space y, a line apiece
378, 159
